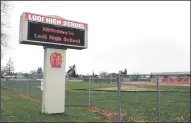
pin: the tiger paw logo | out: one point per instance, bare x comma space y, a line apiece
56, 60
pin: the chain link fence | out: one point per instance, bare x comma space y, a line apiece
141, 98
28, 87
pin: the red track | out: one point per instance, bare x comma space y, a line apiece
161, 83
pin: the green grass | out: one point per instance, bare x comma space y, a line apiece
85, 85
141, 106
18, 109
137, 105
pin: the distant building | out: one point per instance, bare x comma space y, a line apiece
8, 76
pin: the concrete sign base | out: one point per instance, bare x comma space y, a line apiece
53, 97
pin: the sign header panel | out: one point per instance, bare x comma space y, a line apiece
47, 31
55, 21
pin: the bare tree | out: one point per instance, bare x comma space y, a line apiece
8, 69
10, 66
4, 12
3, 71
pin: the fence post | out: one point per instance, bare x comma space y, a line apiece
118, 98
111, 79
89, 90
92, 79
33, 87
21, 85
158, 99
27, 88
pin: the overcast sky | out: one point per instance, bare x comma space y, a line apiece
142, 36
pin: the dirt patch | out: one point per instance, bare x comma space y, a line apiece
26, 97
109, 115
161, 83
124, 88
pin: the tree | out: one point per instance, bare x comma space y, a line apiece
39, 70
3, 71
9, 68
4, 11
103, 74
125, 71
72, 71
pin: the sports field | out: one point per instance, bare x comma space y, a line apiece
138, 106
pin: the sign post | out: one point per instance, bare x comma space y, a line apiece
53, 100
56, 35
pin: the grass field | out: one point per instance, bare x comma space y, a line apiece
139, 106
18, 109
